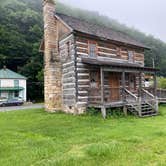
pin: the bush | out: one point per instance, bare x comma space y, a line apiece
93, 111
162, 83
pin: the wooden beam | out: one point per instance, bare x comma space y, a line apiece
102, 84
140, 85
118, 69
123, 93
123, 85
155, 84
103, 109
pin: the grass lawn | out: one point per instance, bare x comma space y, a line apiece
35, 137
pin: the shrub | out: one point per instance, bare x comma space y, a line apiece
162, 82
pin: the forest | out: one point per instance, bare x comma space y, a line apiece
21, 30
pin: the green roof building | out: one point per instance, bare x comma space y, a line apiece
12, 84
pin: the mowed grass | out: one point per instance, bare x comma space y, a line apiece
34, 137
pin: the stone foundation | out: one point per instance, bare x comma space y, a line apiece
74, 110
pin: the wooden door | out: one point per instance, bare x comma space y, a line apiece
114, 82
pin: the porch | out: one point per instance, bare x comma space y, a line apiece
121, 85
11, 92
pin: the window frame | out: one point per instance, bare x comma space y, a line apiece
16, 84
16, 94
68, 48
130, 55
96, 75
90, 42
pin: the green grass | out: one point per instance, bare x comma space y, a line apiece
37, 138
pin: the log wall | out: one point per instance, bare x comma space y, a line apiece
67, 53
112, 51
76, 88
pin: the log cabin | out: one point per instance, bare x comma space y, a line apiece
87, 65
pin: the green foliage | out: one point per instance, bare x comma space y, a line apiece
93, 111
162, 82
35, 137
115, 112
21, 31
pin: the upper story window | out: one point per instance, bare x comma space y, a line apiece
16, 83
130, 56
92, 49
68, 48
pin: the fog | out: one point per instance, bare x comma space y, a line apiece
145, 15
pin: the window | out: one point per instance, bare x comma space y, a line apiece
94, 79
16, 94
130, 56
16, 83
68, 48
92, 49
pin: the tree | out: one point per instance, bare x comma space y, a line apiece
21, 31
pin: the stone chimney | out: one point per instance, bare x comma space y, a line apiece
52, 63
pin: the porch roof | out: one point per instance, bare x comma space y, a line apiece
119, 65
11, 88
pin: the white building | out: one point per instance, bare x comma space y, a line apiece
12, 85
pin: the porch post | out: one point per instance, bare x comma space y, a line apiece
155, 84
140, 85
123, 93
103, 109
123, 86
140, 94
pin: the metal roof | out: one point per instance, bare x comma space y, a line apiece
9, 74
102, 62
100, 31
11, 88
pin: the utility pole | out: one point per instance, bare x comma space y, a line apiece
153, 62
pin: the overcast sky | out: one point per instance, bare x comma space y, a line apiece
148, 16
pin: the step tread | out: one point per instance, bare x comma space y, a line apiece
148, 115
148, 112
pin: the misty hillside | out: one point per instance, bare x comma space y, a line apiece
21, 29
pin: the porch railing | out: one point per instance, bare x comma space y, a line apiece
148, 98
112, 95
129, 96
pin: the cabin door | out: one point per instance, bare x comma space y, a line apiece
114, 82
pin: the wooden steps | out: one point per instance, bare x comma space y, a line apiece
145, 110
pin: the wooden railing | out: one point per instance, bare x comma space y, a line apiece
148, 98
130, 97
110, 95
161, 94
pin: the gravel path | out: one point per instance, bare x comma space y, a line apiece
24, 107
